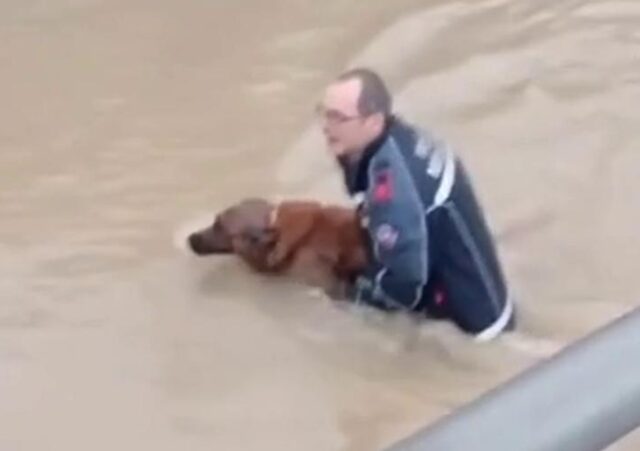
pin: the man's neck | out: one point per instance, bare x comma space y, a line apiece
371, 146
354, 157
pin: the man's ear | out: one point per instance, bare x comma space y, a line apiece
376, 123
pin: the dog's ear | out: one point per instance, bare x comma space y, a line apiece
293, 222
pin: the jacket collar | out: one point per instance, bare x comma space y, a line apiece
355, 166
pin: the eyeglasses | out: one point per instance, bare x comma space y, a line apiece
334, 117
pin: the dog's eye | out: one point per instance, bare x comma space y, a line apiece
257, 237
253, 238
219, 229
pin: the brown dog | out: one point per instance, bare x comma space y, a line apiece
322, 245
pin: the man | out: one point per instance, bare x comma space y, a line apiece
431, 247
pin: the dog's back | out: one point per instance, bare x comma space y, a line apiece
332, 233
339, 228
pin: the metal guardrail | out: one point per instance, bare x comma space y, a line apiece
584, 398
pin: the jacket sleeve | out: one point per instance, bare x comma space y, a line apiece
395, 221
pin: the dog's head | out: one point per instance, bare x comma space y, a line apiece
239, 229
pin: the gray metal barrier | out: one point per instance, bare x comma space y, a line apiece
582, 399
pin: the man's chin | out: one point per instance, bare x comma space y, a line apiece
336, 149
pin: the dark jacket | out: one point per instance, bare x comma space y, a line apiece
429, 239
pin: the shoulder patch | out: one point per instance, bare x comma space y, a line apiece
383, 185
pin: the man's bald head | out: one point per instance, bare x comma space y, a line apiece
354, 111
373, 95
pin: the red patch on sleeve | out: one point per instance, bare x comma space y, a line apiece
383, 190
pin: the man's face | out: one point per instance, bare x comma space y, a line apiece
346, 131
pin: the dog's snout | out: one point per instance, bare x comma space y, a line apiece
196, 243
206, 242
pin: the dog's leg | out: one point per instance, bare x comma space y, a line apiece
279, 254
313, 270
337, 290
292, 224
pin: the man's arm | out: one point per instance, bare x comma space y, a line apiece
397, 227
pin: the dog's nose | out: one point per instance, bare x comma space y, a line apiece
196, 243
